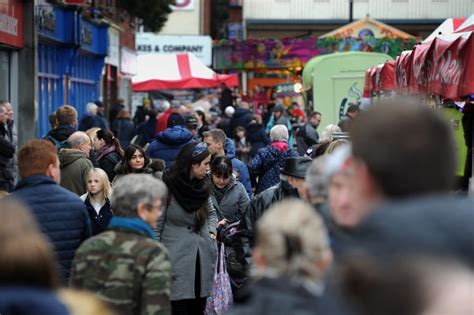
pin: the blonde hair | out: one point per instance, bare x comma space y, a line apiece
84, 303
293, 242
328, 131
106, 187
27, 257
335, 144
3, 194
92, 133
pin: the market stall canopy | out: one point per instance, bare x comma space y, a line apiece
380, 78
467, 25
367, 27
449, 26
442, 66
176, 71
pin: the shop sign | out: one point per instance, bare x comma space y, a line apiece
200, 46
93, 38
11, 23
54, 23
183, 5
128, 61
113, 57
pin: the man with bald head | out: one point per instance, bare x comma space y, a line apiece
75, 163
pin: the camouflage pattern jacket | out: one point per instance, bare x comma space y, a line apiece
127, 269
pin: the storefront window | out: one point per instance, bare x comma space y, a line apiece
4, 75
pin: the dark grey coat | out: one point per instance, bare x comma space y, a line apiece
233, 204
176, 231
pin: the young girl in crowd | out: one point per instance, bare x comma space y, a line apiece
97, 200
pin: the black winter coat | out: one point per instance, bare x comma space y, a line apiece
99, 221
440, 226
257, 137
276, 296
108, 163
242, 117
244, 237
61, 215
124, 130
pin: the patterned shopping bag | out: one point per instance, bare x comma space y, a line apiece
221, 298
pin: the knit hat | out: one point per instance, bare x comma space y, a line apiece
279, 133
175, 119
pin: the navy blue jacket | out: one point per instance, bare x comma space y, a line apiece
124, 130
60, 214
25, 300
266, 165
146, 131
238, 166
168, 143
99, 221
242, 117
257, 137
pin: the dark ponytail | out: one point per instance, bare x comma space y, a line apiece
110, 139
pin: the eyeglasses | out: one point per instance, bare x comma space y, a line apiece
200, 148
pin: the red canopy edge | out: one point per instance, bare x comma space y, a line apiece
440, 67
188, 83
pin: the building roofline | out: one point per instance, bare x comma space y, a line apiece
300, 22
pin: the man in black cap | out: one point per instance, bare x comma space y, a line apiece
192, 125
169, 142
292, 185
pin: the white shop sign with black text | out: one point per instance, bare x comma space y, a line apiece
200, 46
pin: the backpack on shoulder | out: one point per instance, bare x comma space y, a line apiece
58, 144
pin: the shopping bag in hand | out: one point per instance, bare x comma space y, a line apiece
221, 298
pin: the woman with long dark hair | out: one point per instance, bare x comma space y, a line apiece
188, 227
136, 161
109, 151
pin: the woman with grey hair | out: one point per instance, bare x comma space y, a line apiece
291, 256
125, 265
265, 166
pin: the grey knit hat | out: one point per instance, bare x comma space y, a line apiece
279, 133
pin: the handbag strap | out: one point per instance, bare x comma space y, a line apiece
222, 267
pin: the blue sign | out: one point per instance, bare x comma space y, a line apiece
54, 23
93, 38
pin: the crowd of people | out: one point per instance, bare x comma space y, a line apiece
229, 208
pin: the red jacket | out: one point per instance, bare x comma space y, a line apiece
162, 121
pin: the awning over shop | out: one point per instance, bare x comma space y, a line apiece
380, 78
442, 66
176, 71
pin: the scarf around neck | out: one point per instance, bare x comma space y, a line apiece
105, 150
191, 194
132, 224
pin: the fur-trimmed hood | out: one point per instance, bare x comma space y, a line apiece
153, 166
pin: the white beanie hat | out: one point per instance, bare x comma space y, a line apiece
229, 111
279, 133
